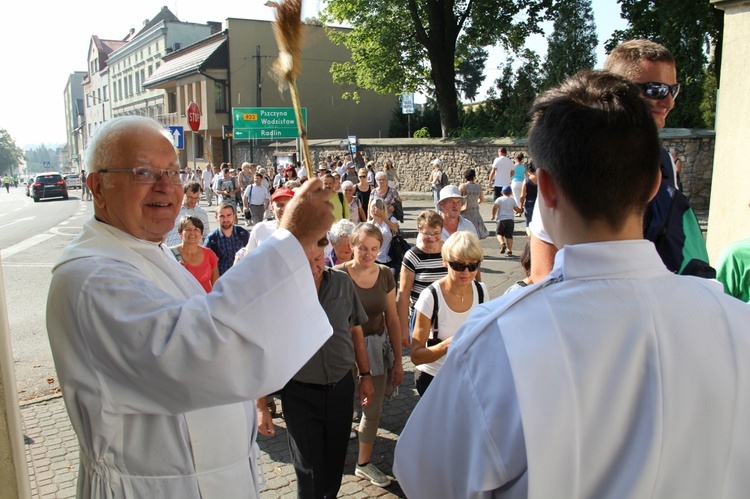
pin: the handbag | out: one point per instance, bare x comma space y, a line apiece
398, 211
398, 249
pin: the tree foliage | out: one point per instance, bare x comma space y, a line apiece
572, 45
470, 62
686, 28
11, 155
400, 46
506, 114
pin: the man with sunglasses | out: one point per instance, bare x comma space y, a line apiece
669, 221
612, 377
159, 377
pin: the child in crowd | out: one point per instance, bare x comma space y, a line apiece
504, 209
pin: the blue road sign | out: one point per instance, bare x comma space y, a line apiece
178, 136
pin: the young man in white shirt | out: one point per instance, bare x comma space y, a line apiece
605, 378
501, 171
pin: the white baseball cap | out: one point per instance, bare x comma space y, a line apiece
448, 192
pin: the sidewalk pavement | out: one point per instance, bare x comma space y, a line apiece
52, 448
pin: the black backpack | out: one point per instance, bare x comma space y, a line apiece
434, 340
444, 180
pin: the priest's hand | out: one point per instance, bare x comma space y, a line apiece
309, 214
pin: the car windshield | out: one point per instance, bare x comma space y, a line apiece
49, 179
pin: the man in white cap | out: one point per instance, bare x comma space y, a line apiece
450, 202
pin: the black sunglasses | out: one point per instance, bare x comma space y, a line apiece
658, 91
460, 267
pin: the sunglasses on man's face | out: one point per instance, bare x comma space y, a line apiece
658, 91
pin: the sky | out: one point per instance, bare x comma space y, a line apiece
46, 40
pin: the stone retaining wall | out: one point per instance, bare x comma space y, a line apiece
412, 157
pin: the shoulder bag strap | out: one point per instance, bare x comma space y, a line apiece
433, 290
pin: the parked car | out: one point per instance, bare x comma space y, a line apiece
48, 185
73, 181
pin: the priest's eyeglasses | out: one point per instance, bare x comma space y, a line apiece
655, 90
147, 174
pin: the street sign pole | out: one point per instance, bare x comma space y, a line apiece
194, 120
193, 146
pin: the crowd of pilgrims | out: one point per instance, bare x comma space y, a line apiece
415, 300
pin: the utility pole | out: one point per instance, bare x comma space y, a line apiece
257, 77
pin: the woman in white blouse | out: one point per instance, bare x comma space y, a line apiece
457, 294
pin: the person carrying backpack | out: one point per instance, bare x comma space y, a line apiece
445, 304
437, 179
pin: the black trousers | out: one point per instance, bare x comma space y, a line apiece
318, 421
422, 381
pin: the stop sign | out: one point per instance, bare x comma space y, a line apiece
194, 116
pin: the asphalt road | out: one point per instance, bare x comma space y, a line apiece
32, 235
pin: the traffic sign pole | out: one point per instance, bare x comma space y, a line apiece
194, 120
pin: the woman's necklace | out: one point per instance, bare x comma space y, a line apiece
456, 294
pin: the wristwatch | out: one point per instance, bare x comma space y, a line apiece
364, 373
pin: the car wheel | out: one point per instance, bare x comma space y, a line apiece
65, 197
36, 199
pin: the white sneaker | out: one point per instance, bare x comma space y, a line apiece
372, 473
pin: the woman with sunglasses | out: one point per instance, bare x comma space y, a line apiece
363, 188
457, 294
376, 289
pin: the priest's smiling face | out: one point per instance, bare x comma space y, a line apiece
146, 211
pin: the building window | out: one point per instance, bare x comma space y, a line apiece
172, 102
198, 145
150, 71
220, 97
105, 90
143, 76
130, 86
137, 82
158, 64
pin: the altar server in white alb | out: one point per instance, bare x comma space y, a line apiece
159, 377
613, 377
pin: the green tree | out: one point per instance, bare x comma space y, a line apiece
526, 84
11, 155
426, 117
572, 45
470, 63
400, 46
686, 28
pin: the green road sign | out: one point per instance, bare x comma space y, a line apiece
265, 122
